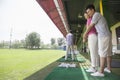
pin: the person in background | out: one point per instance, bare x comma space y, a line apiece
70, 45
104, 39
92, 45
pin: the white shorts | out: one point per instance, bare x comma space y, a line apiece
105, 46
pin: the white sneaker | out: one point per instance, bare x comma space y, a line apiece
107, 70
91, 69
98, 74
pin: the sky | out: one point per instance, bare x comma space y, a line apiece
21, 17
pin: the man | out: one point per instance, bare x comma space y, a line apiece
104, 39
70, 45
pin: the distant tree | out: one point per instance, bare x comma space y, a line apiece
60, 41
18, 44
52, 41
15, 44
32, 40
23, 44
1, 45
55, 46
4, 44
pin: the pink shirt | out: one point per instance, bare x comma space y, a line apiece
93, 30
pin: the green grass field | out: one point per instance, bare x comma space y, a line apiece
17, 64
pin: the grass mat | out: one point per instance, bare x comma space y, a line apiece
65, 74
77, 74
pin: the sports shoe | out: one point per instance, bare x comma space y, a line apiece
98, 74
107, 70
91, 69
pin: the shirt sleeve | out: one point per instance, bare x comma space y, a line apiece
95, 18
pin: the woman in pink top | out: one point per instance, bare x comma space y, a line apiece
92, 45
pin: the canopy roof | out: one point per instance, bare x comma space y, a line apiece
68, 14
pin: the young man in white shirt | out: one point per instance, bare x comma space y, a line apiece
70, 45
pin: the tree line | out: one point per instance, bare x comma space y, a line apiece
33, 41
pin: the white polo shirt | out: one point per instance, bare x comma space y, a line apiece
100, 25
69, 39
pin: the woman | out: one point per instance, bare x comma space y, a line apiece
92, 45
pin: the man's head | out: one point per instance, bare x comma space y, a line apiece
90, 9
